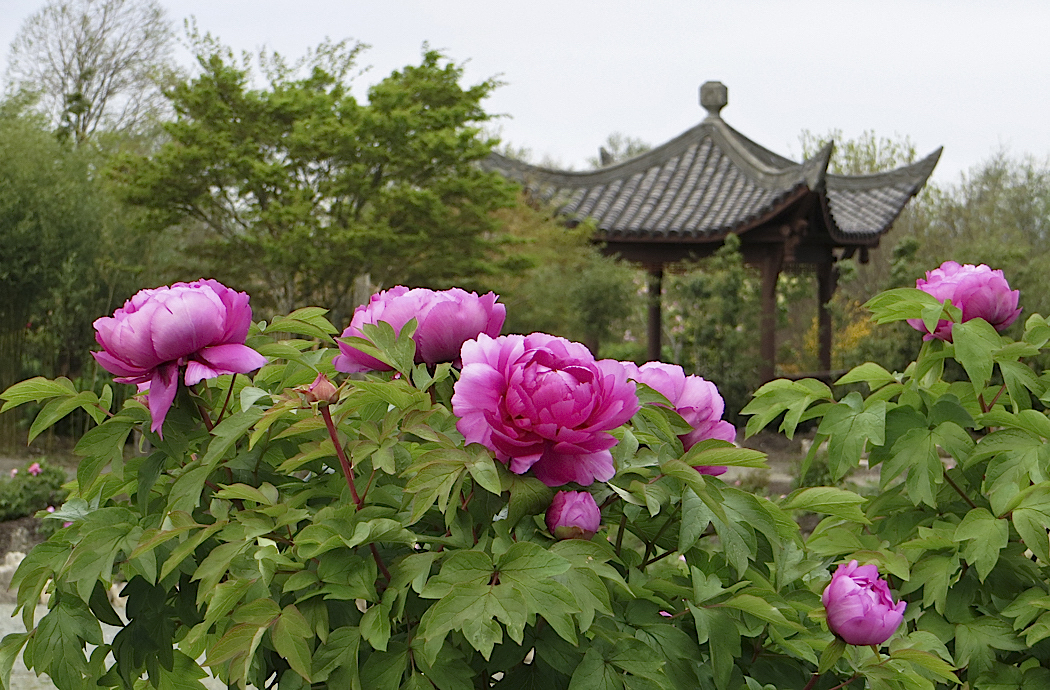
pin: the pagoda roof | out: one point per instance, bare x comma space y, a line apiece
711, 181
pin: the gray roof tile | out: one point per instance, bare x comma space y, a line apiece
712, 180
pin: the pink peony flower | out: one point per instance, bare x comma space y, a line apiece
860, 607
200, 326
978, 291
34, 469
694, 398
543, 403
573, 515
445, 320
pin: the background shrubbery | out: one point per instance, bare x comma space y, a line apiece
293, 206
27, 492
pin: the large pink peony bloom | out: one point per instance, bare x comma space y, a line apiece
860, 607
573, 515
694, 398
445, 320
200, 325
543, 403
978, 291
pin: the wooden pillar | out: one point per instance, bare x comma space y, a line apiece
826, 280
771, 265
655, 287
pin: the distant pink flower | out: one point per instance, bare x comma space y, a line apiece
200, 326
573, 515
694, 398
34, 469
978, 291
14, 472
445, 319
543, 404
51, 509
860, 607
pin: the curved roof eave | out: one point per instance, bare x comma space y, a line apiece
858, 209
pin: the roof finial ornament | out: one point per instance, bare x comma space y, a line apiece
714, 96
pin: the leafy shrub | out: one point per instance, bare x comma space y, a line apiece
354, 540
31, 489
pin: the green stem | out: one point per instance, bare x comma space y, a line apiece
659, 533
654, 559
619, 533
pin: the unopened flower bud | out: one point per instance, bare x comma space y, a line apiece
860, 607
573, 515
321, 391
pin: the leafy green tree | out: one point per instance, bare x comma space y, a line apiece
295, 189
555, 280
51, 212
711, 318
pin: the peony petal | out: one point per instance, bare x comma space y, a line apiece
232, 358
162, 389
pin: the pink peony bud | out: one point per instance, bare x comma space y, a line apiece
34, 469
321, 391
199, 326
860, 607
978, 291
445, 320
542, 403
573, 515
694, 398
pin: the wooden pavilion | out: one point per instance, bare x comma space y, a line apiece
679, 201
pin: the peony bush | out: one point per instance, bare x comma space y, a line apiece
474, 510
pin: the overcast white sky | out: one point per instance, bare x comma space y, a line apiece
971, 76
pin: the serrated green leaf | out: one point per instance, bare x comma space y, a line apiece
870, 373
829, 501
928, 662
36, 389
716, 452
9, 649
986, 536
1031, 517
289, 635
849, 426
975, 340
56, 409
831, 654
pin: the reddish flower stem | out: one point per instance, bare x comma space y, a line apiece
957, 488
226, 403
348, 472
205, 417
341, 454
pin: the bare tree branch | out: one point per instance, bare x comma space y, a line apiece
95, 64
